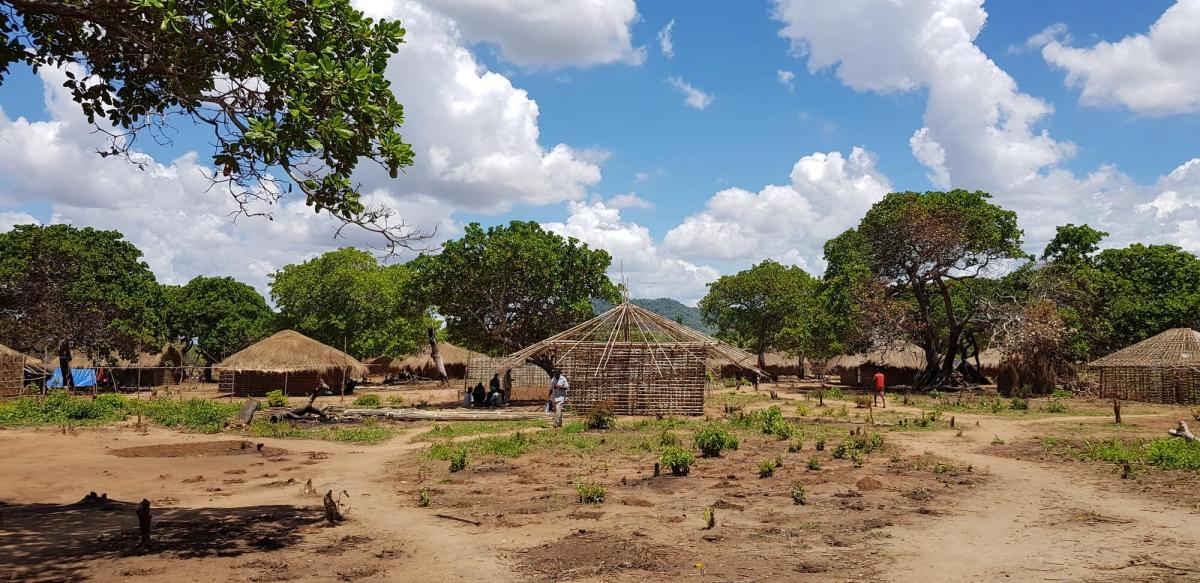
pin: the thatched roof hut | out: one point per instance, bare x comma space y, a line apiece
12, 371
288, 361
454, 358
900, 362
989, 361
1160, 369
777, 364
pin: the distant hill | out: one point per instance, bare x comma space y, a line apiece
665, 307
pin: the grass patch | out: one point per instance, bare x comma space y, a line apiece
1168, 453
464, 428
59, 408
367, 433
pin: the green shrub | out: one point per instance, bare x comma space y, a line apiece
1019, 404
424, 498
1055, 406
876, 440
367, 401
678, 459
841, 450
711, 440
458, 460
710, 518
802, 410
834, 393
601, 416
814, 463
795, 446
1061, 394
799, 494
276, 398
395, 401
856, 458
935, 394
589, 492
783, 430
820, 445
195, 414
862, 401
667, 438
766, 468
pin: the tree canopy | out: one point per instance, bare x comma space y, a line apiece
754, 305
345, 298
505, 287
289, 86
219, 314
83, 287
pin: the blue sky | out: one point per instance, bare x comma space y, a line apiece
1093, 121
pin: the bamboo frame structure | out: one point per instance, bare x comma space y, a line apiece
642, 363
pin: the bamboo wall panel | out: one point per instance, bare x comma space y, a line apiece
639, 379
481, 368
12, 375
1170, 385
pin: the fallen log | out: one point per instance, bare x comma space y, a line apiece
1183, 432
246, 415
466, 520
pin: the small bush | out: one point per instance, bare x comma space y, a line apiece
276, 398
856, 458
783, 430
601, 416
766, 468
862, 401
711, 440
424, 498
678, 459
799, 494
710, 518
589, 492
1019, 404
458, 460
876, 440
795, 446
1055, 406
834, 393
367, 401
821, 444
802, 410
779, 460
841, 450
395, 401
667, 438
814, 463
1061, 394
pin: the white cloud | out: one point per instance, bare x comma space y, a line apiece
1152, 74
652, 271
629, 200
1054, 32
664, 40
787, 79
827, 194
539, 34
980, 131
10, 219
693, 97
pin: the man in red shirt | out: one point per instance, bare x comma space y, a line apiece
880, 383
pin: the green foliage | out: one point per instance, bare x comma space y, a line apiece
710, 518
588, 492
766, 468
367, 401
820, 445
464, 428
1019, 404
424, 498
222, 314
553, 280
799, 493
711, 440
276, 398
294, 88
458, 461
835, 393
1061, 394
1073, 245
667, 438
83, 286
194, 414
678, 459
1055, 406
856, 458
841, 450
395, 401
802, 410
862, 401
58, 408
601, 416
755, 304
814, 463
367, 434
345, 297
795, 446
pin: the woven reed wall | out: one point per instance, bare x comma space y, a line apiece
481, 368
258, 384
12, 375
865, 375
638, 379
1151, 384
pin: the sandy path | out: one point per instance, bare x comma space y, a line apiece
1037, 522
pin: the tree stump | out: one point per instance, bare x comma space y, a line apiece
143, 516
332, 514
1117, 409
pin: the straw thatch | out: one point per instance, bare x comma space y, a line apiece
454, 358
12, 372
291, 351
642, 363
899, 362
1161, 369
776, 364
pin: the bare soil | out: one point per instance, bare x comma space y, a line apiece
934, 506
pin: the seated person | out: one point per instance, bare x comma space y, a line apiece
478, 395
495, 397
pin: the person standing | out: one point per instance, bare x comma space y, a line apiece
880, 384
558, 395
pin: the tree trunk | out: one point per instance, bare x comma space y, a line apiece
436, 355
64, 365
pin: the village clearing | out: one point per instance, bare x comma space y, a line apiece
1003, 495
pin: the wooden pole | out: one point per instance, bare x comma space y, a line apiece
143, 516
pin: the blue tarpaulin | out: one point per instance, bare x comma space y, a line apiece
83, 377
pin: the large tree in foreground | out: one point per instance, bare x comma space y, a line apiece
509, 286
346, 299
289, 89
755, 304
65, 289
220, 315
930, 247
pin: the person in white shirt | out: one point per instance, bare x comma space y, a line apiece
558, 395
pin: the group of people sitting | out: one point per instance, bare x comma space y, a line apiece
494, 397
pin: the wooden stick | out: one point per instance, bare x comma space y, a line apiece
466, 520
143, 516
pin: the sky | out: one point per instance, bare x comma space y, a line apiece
690, 140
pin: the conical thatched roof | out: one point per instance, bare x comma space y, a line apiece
1175, 347
6, 351
143, 359
630, 323
897, 355
451, 355
291, 351
990, 358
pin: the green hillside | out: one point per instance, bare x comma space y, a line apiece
666, 307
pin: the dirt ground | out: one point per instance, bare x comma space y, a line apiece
931, 506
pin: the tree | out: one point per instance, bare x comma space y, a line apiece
1073, 245
66, 288
1146, 289
347, 300
286, 86
219, 314
755, 304
927, 245
509, 286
